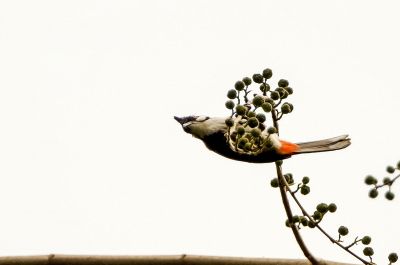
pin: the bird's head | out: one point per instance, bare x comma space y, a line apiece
201, 126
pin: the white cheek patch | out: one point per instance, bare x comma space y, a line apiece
202, 118
207, 127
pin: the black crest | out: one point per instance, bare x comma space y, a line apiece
183, 120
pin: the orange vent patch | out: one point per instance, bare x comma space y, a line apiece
287, 148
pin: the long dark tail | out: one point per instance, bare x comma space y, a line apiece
330, 144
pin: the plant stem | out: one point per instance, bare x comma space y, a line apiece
289, 214
286, 204
275, 120
322, 230
151, 260
390, 183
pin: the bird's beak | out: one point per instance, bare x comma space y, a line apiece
180, 120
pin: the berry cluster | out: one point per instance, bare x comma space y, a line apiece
302, 187
386, 181
321, 210
314, 220
247, 132
366, 240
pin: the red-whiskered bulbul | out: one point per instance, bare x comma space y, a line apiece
214, 133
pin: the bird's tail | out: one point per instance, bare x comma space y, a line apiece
330, 144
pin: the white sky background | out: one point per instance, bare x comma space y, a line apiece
92, 162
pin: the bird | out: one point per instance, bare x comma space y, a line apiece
215, 135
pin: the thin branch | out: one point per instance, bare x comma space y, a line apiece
354, 243
321, 229
289, 214
275, 120
276, 125
280, 115
390, 183
286, 204
279, 102
151, 260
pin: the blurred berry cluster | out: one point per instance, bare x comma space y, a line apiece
247, 131
386, 181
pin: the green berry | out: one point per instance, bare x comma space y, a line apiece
239, 85
271, 130
267, 107
284, 94
264, 87
304, 221
285, 108
267, 73
246, 80
289, 178
311, 224
240, 130
366, 240
261, 126
386, 180
261, 117
233, 136
255, 132
281, 91
390, 169
229, 104
317, 215
247, 146
275, 95
305, 190
287, 223
373, 193
343, 230
245, 138
232, 94
283, 83
296, 219
332, 207
251, 114
368, 251
229, 122
322, 208
270, 101
242, 142
274, 183
257, 78
258, 101
305, 180
393, 257
389, 195
241, 110
252, 122
289, 90
370, 180
398, 165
